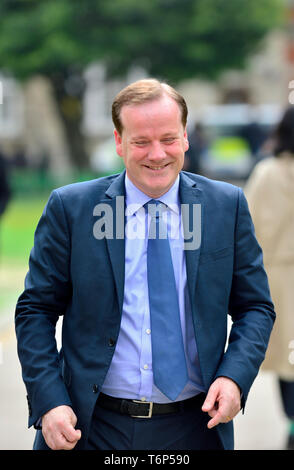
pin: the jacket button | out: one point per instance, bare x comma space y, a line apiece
111, 342
95, 388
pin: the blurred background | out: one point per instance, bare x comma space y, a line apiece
61, 64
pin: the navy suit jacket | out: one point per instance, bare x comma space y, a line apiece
74, 274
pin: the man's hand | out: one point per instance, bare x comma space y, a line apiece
58, 428
223, 401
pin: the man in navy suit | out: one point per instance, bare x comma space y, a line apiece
89, 264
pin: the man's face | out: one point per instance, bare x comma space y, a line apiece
153, 144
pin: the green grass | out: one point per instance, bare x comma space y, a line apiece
18, 227
17, 235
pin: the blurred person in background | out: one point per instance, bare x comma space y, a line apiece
270, 194
255, 136
197, 145
143, 363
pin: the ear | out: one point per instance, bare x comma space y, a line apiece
118, 143
186, 141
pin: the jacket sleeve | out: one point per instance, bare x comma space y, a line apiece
46, 296
250, 307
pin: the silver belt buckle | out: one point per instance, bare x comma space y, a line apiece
150, 403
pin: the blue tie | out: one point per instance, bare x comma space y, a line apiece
168, 356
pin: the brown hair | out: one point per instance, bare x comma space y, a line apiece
142, 91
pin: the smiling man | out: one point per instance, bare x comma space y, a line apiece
143, 363
152, 143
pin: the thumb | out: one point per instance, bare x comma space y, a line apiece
78, 434
71, 434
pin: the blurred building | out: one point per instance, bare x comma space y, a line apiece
30, 123
11, 110
264, 81
261, 90
44, 137
30, 128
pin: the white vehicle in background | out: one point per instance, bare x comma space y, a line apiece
104, 159
234, 136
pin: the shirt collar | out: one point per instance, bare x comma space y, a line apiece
135, 198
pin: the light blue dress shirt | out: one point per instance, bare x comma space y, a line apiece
130, 373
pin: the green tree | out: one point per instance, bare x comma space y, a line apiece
172, 39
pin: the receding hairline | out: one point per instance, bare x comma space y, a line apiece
144, 91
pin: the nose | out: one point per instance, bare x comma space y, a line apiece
156, 152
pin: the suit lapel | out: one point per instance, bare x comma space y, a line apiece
192, 219
115, 198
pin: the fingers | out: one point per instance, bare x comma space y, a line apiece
222, 402
57, 441
61, 437
210, 406
58, 428
210, 403
70, 434
218, 418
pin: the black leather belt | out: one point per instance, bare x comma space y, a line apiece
146, 409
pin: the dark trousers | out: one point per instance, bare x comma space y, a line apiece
287, 394
184, 430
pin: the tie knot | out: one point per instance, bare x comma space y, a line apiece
153, 201
155, 208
